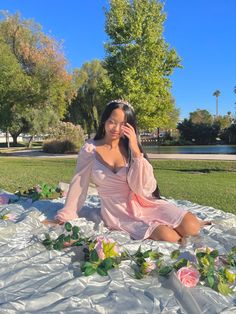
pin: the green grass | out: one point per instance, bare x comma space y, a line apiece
27, 172
211, 183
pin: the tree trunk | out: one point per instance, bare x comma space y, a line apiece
158, 134
216, 106
30, 141
7, 138
14, 136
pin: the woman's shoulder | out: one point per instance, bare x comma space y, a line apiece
88, 147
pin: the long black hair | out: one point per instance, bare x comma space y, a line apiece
129, 118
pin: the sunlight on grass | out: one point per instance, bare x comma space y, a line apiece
211, 183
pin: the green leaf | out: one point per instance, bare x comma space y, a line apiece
47, 242
94, 256
164, 271
87, 264
147, 253
74, 236
75, 229
180, 263
210, 280
214, 253
233, 249
68, 226
175, 254
199, 255
138, 274
107, 263
67, 238
61, 237
224, 289
89, 271
138, 253
101, 271
78, 243
155, 255
58, 246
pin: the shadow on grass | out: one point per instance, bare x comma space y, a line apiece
203, 170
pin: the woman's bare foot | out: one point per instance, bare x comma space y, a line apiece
205, 223
52, 222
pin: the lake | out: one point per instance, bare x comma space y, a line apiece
196, 149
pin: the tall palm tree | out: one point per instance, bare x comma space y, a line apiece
216, 94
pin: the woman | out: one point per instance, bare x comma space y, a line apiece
130, 199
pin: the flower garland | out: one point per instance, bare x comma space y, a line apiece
34, 193
101, 254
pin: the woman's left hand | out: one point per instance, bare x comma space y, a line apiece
129, 132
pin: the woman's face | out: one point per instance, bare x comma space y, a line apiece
113, 125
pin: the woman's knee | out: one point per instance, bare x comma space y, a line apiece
165, 233
190, 225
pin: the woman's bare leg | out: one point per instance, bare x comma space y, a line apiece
165, 233
190, 226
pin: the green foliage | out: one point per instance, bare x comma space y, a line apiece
40, 191
59, 147
34, 77
65, 137
175, 254
228, 135
139, 61
92, 84
213, 272
201, 117
198, 133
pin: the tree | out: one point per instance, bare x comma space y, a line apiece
229, 135
138, 60
199, 128
223, 121
201, 116
14, 86
216, 94
91, 83
42, 80
198, 133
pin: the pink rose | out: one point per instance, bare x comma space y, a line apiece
10, 217
99, 248
189, 276
38, 189
104, 243
148, 266
64, 194
4, 199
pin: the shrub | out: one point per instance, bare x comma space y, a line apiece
65, 138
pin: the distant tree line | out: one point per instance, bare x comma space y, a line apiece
202, 128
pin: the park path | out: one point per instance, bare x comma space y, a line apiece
39, 154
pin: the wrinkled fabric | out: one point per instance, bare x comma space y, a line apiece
126, 197
35, 280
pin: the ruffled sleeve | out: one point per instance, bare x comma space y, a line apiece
141, 178
79, 184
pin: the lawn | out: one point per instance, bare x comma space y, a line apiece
211, 183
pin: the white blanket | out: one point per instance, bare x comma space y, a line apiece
35, 280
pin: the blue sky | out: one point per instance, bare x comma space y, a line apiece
203, 32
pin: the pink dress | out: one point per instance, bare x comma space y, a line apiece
126, 197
